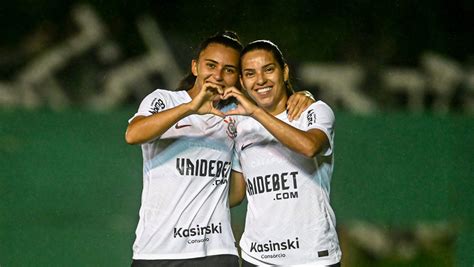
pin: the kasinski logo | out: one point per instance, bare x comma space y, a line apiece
198, 230
288, 244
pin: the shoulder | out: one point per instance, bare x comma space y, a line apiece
318, 113
319, 107
162, 99
163, 96
244, 121
245, 125
166, 94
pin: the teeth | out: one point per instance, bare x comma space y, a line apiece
263, 90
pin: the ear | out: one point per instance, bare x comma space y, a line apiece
286, 73
194, 67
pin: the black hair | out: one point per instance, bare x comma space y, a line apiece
226, 38
276, 52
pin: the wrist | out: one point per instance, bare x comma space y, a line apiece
189, 108
257, 112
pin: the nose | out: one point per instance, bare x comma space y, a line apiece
261, 78
218, 74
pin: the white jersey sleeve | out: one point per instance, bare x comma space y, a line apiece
153, 103
236, 162
319, 116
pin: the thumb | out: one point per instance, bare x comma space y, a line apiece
217, 112
232, 112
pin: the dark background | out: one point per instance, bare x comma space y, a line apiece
371, 32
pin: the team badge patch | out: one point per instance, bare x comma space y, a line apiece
311, 117
156, 105
231, 129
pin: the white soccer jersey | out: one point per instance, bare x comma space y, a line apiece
184, 210
289, 219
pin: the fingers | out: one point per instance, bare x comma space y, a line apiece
289, 106
298, 109
245, 106
292, 106
217, 112
231, 91
220, 90
205, 101
232, 112
213, 88
297, 104
308, 95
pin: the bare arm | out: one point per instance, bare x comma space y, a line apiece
146, 128
143, 129
237, 189
308, 143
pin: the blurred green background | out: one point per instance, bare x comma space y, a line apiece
70, 187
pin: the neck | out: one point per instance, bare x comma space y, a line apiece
193, 92
279, 107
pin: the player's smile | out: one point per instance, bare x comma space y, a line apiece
263, 79
264, 91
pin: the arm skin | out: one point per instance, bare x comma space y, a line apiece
143, 129
236, 189
308, 143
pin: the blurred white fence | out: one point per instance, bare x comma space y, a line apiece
341, 85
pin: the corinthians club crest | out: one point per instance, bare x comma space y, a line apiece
231, 129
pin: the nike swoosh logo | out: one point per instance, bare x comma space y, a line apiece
245, 146
177, 126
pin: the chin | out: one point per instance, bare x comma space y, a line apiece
264, 105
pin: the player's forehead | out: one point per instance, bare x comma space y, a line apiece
220, 54
257, 59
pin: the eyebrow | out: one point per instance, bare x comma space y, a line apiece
264, 66
215, 62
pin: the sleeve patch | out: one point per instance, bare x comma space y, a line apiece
156, 105
311, 117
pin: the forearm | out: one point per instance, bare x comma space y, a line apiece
297, 140
236, 189
145, 129
235, 200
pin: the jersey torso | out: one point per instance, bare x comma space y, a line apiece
289, 219
184, 211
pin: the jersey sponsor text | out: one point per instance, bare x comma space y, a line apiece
203, 167
156, 105
275, 246
311, 117
280, 183
197, 231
